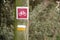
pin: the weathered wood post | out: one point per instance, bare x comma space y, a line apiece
22, 22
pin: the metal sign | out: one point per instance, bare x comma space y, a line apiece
22, 12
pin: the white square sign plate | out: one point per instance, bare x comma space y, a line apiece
22, 12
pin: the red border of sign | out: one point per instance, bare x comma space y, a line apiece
27, 13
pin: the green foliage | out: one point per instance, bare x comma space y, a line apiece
7, 19
44, 23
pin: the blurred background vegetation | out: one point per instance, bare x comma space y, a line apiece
7, 19
44, 20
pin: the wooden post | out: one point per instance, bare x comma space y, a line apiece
22, 35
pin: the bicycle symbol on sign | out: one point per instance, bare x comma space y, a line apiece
22, 13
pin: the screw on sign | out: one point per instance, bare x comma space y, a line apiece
22, 12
